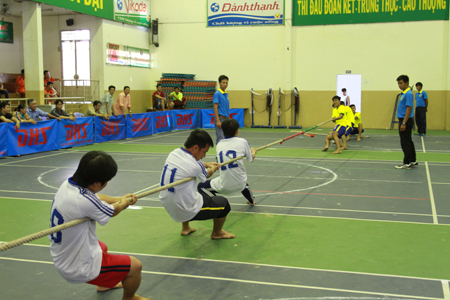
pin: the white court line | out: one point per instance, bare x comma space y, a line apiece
26, 192
153, 137
430, 188
423, 145
251, 282
43, 183
445, 289
28, 159
440, 182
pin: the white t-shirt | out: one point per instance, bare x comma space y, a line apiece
182, 202
233, 176
76, 252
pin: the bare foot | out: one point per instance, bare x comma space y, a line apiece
137, 297
223, 235
251, 204
187, 232
338, 151
348, 138
358, 139
325, 149
345, 148
104, 289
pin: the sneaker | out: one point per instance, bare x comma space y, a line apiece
418, 134
403, 166
414, 164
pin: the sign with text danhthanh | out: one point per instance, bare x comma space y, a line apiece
326, 12
245, 13
6, 32
134, 12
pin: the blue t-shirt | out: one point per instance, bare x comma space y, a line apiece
224, 103
406, 99
420, 98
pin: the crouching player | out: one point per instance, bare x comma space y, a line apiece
77, 253
233, 177
358, 127
339, 130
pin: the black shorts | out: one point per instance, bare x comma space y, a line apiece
214, 207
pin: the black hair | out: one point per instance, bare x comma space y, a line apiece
95, 166
336, 97
59, 101
222, 77
49, 82
3, 104
200, 138
344, 90
45, 72
177, 87
111, 87
352, 105
96, 102
419, 84
404, 78
19, 107
29, 101
229, 127
126, 87
23, 71
158, 85
342, 103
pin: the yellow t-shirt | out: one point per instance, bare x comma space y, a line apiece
349, 115
337, 112
178, 97
357, 118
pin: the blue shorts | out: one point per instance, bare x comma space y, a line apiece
355, 130
340, 129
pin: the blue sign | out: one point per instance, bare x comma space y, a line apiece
161, 121
109, 130
184, 119
3, 139
32, 138
208, 119
76, 133
140, 125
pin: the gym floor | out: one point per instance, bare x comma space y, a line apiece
346, 226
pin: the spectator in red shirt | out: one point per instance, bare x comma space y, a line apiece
20, 84
159, 102
48, 78
49, 91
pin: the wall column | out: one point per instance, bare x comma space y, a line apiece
288, 85
33, 51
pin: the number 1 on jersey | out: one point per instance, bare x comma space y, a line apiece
172, 177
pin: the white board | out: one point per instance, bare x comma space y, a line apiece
352, 83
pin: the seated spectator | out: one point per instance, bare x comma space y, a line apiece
177, 97
6, 116
48, 78
59, 112
34, 113
122, 102
49, 91
107, 101
95, 111
159, 102
20, 84
3, 91
22, 116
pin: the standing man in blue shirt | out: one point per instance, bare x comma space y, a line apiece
405, 117
421, 109
221, 106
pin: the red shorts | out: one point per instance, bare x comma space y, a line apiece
114, 268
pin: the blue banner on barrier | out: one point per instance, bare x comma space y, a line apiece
76, 133
161, 121
110, 130
207, 117
183, 119
139, 125
3, 139
32, 138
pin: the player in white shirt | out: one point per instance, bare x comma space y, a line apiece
77, 253
233, 177
183, 202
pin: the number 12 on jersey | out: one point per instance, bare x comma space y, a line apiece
231, 165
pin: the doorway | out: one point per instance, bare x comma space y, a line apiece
353, 85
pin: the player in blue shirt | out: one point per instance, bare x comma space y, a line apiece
421, 109
405, 117
221, 105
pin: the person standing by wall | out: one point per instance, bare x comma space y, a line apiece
345, 97
421, 110
3, 91
221, 105
20, 84
405, 117
107, 101
122, 103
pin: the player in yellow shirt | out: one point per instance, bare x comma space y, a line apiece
341, 127
357, 128
350, 120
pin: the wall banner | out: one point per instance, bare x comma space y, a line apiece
134, 12
139, 125
245, 13
208, 120
161, 121
6, 32
326, 12
110, 130
76, 133
127, 56
183, 119
32, 138
3, 139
